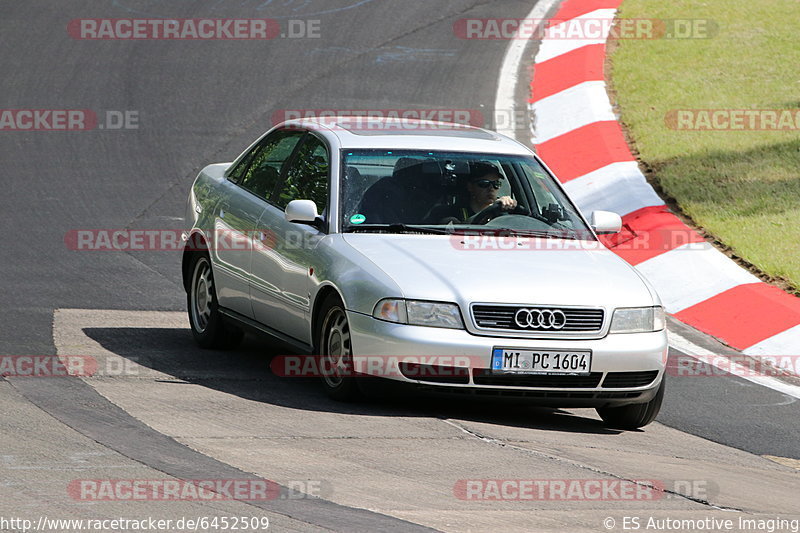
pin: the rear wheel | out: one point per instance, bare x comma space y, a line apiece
336, 351
633, 416
208, 326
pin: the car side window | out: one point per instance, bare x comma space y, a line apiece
538, 179
307, 178
263, 175
236, 174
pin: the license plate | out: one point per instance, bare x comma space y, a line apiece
541, 361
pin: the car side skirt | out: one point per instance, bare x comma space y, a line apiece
241, 320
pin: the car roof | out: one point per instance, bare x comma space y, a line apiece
409, 134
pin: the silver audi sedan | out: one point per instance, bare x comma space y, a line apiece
435, 254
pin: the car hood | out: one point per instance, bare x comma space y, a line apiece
461, 269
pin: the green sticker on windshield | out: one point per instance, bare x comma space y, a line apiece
358, 219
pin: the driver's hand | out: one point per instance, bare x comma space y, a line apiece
507, 203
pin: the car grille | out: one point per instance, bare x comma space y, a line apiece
614, 380
622, 380
486, 377
545, 395
501, 317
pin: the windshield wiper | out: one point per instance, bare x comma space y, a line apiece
560, 234
395, 228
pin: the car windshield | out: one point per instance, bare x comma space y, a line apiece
439, 192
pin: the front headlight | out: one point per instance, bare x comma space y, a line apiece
419, 313
638, 320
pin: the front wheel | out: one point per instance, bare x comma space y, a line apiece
336, 352
208, 326
633, 416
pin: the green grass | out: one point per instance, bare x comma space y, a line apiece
743, 187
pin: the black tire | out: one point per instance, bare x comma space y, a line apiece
633, 416
335, 350
208, 325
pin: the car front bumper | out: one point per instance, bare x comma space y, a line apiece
626, 368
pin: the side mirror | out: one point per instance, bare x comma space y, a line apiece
302, 212
604, 222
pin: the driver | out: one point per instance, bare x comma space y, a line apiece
481, 187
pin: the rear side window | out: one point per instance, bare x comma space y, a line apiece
263, 174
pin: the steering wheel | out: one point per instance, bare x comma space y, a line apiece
495, 210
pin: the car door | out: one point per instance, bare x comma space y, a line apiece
280, 271
249, 184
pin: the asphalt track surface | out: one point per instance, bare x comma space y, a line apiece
203, 102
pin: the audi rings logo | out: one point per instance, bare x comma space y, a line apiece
540, 318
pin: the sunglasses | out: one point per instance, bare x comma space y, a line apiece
485, 184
